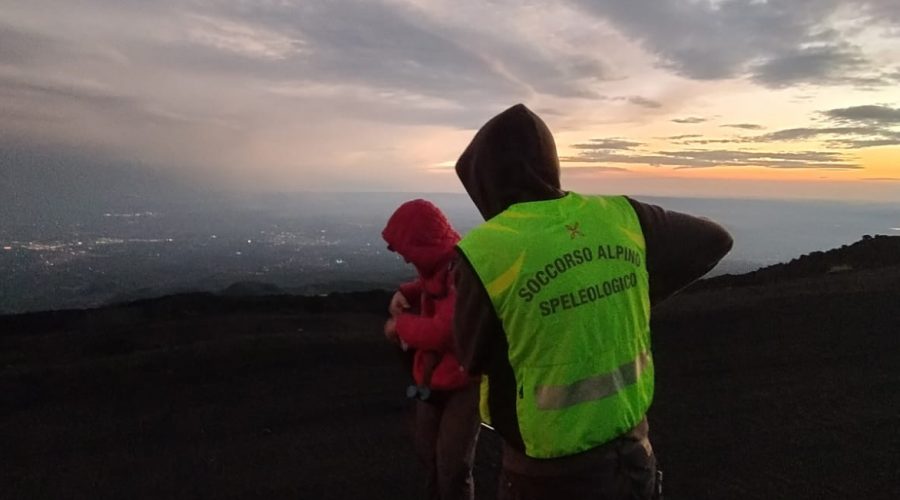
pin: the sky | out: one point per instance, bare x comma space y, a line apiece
752, 98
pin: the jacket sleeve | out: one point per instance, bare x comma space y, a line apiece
430, 333
476, 328
412, 291
681, 248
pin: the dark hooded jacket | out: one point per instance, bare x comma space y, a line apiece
513, 159
420, 233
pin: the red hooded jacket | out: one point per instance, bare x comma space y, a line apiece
420, 233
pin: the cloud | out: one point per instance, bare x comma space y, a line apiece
682, 136
591, 171
607, 144
727, 156
855, 127
14, 88
424, 49
744, 126
642, 101
18, 47
888, 11
378, 45
866, 143
386, 47
849, 137
801, 133
828, 64
871, 114
22, 50
695, 142
549, 112
243, 39
708, 158
692, 119
775, 42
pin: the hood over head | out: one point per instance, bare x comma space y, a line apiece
421, 233
511, 159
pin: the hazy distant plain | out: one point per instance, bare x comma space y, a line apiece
320, 242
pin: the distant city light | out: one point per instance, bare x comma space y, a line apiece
131, 215
44, 247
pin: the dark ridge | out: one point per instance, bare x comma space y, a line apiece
871, 252
252, 289
190, 305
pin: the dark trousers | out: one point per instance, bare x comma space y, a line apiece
627, 472
445, 431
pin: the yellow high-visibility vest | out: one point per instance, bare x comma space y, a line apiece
568, 280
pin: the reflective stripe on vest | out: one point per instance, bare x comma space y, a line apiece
568, 280
555, 397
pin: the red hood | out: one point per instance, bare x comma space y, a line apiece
421, 233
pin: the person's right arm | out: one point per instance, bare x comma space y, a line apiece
681, 248
476, 327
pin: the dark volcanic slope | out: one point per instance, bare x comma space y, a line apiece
789, 395
204, 397
785, 388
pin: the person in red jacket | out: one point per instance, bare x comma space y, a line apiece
446, 412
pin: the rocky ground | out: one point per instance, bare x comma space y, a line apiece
771, 388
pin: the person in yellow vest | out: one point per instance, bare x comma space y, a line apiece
553, 308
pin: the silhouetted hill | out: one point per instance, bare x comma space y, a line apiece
869, 253
252, 288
